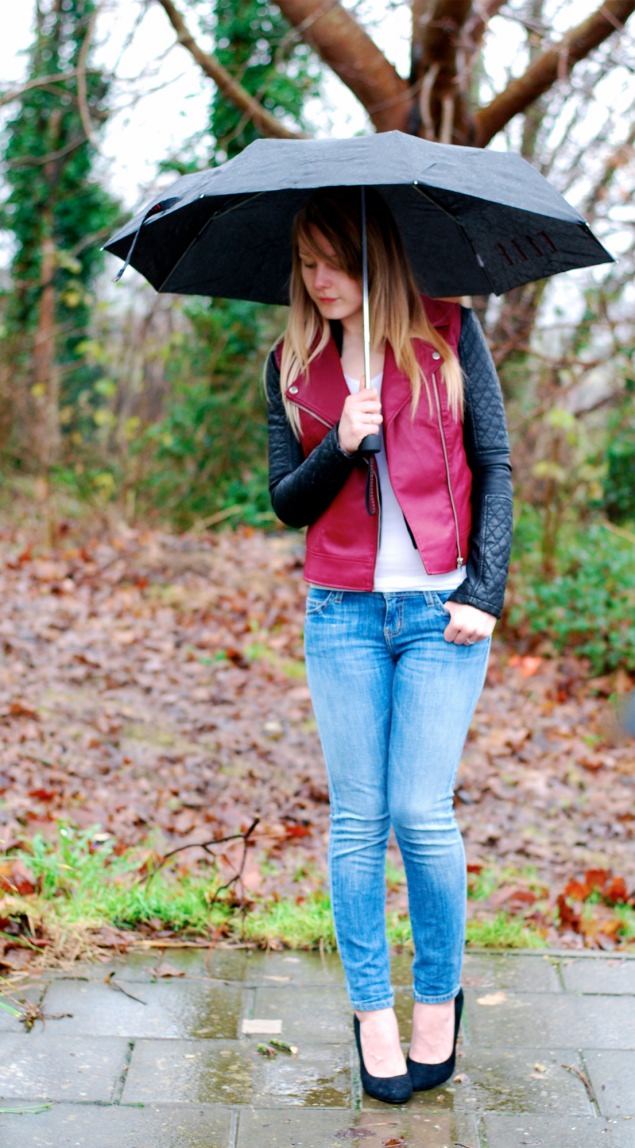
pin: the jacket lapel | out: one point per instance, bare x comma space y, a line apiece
324, 390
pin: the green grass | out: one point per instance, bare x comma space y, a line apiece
82, 883
626, 917
503, 931
308, 925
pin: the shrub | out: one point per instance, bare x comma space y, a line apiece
588, 606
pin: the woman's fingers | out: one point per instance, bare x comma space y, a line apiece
361, 416
467, 625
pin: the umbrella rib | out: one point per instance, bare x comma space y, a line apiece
203, 229
457, 222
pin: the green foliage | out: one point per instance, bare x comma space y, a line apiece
207, 457
304, 925
502, 931
81, 879
256, 45
205, 460
55, 209
84, 882
588, 606
619, 483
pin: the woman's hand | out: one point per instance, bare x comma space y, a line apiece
467, 625
361, 415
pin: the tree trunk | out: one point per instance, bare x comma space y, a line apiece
45, 388
442, 56
347, 48
549, 67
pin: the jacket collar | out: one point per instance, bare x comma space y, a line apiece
327, 389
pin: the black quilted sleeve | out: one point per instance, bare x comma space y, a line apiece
487, 448
300, 488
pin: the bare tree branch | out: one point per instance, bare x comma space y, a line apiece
346, 47
82, 94
446, 40
38, 82
265, 123
552, 65
621, 155
50, 157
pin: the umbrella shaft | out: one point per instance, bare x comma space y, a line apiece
365, 305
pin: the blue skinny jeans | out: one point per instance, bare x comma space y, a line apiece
393, 702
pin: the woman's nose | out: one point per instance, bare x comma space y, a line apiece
322, 273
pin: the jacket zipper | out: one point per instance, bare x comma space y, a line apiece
313, 415
460, 560
330, 426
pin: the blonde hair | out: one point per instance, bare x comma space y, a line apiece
397, 314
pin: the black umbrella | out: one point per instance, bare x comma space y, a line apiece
473, 221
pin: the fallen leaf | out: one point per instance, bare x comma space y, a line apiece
527, 665
282, 1046
164, 969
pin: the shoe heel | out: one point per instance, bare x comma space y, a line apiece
426, 1076
390, 1089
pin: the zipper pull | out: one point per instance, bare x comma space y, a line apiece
460, 562
371, 487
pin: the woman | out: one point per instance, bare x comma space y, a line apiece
406, 557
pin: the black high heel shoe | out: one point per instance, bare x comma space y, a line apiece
390, 1089
424, 1076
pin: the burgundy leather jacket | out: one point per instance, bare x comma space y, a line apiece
452, 480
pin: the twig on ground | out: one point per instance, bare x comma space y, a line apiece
238, 875
585, 1080
113, 984
26, 1011
206, 846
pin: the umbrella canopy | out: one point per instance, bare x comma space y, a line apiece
473, 221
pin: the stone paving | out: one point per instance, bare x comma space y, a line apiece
546, 1058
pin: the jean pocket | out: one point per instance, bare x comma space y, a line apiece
318, 600
439, 598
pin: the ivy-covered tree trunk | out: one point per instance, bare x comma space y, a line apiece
44, 368
57, 213
215, 436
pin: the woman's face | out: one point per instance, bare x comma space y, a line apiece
335, 294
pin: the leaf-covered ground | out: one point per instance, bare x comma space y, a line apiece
153, 685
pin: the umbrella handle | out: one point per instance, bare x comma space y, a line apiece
371, 444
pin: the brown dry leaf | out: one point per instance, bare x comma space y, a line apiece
22, 709
165, 969
16, 878
527, 665
145, 673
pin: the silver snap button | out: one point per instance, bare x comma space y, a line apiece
436, 355
293, 390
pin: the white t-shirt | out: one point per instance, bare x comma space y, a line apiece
399, 565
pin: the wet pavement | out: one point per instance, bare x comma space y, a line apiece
129, 1057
